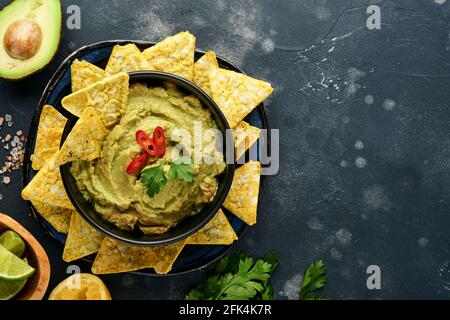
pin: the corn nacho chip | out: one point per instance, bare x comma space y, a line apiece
244, 136
217, 232
166, 256
50, 130
242, 199
47, 184
85, 74
116, 257
237, 94
82, 239
85, 140
108, 97
174, 54
202, 69
125, 59
58, 217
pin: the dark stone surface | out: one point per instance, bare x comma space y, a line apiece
325, 65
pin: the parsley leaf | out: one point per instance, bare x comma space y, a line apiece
315, 279
154, 179
182, 169
238, 277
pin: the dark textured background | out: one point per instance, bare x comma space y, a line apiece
360, 183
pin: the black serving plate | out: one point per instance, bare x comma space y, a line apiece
192, 257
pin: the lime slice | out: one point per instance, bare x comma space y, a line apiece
13, 268
9, 289
12, 242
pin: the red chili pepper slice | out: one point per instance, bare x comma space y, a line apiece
146, 142
138, 163
159, 138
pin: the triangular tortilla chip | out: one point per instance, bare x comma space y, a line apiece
245, 136
217, 232
125, 59
108, 97
82, 240
174, 54
202, 70
237, 94
116, 257
85, 74
58, 217
167, 256
85, 140
50, 130
47, 185
242, 199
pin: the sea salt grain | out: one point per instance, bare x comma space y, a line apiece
8, 118
6, 180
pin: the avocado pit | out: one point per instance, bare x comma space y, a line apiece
22, 39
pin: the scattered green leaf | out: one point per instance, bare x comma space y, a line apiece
154, 179
238, 277
315, 278
182, 169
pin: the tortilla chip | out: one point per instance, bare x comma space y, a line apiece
242, 199
217, 232
82, 240
116, 257
125, 59
202, 69
237, 94
245, 136
85, 74
85, 140
174, 54
47, 185
50, 130
59, 218
108, 97
166, 256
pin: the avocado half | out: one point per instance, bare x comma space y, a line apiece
30, 34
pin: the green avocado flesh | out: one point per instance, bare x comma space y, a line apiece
44, 15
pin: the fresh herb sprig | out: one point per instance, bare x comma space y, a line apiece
238, 277
315, 278
154, 178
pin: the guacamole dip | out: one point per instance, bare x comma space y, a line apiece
121, 198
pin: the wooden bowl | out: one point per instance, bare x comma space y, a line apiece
37, 284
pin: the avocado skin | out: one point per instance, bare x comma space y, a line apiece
52, 58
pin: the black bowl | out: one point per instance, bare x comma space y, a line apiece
189, 225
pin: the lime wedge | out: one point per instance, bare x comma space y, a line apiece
9, 289
13, 268
12, 242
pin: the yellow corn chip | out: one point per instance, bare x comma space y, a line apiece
237, 94
116, 257
245, 136
50, 129
108, 97
217, 232
82, 240
166, 256
85, 140
125, 59
202, 69
85, 74
242, 199
174, 54
47, 186
58, 217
